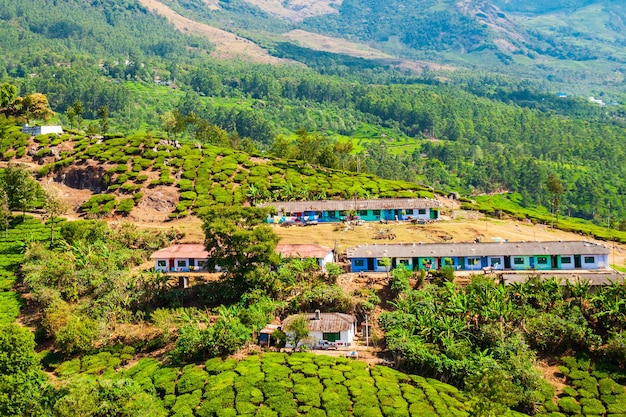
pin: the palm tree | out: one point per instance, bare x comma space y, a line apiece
253, 194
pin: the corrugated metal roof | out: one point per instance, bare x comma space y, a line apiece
328, 322
344, 205
270, 328
424, 250
183, 250
594, 279
302, 251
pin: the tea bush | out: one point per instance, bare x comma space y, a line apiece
274, 384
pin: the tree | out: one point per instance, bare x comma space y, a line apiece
297, 329
386, 263
71, 116
54, 206
237, 241
8, 94
556, 189
78, 112
21, 188
20, 377
35, 106
173, 122
281, 147
306, 145
103, 113
400, 279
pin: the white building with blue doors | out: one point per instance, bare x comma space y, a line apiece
565, 255
372, 210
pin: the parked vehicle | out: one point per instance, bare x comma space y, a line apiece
326, 345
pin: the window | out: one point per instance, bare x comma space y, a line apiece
404, 261
542, 260
359, 262
421, 211
409, 211
473, 261
331, 337
181, 263
495, 261
518, 261
362, 212
566, 259
376, 212
161, 263
590, 259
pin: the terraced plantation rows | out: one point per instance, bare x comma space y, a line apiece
12, 245
274, 384
590, 391
205, 175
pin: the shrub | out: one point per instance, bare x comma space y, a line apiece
192, 378
570, 391
592, 406
185, 185
78, 335
608, 386
569, 405
165, 380
126, 206
188, 195
615, 349
95, 364
68, 368
187, 402
589, 384
617, 404
99, 204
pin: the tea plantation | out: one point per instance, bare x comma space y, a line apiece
13, 242
590, 391
205, 175
271, 384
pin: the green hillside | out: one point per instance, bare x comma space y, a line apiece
473, 132
129, 167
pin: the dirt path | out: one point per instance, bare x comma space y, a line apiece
227, 45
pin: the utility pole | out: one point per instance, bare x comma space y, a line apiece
367, 331
608, 220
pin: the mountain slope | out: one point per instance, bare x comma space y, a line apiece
227, 45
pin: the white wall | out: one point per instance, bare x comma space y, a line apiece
161, 268
315, 337
329, 258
